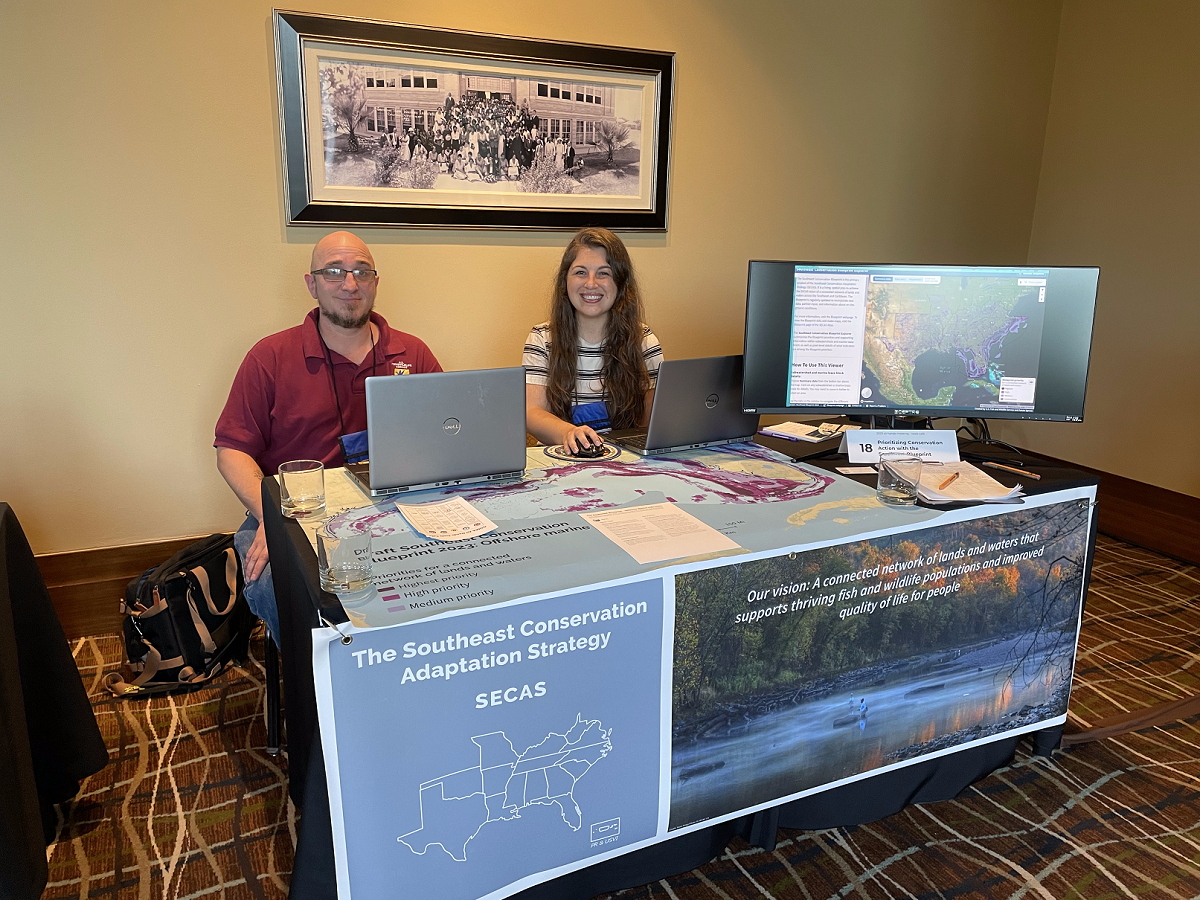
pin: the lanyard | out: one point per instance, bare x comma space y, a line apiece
333, 381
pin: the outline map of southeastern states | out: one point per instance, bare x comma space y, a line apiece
453, 817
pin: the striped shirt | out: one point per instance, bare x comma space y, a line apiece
589, 387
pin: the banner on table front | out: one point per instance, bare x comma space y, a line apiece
476, 750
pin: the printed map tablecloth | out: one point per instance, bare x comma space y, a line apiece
759, 498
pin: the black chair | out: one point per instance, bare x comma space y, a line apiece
272, 680
271, 664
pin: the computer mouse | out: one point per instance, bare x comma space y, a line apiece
592, 452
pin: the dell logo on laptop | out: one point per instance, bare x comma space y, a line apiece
451, 426
711, 401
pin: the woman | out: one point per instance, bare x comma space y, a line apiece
594, 364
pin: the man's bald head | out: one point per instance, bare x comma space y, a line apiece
343, 245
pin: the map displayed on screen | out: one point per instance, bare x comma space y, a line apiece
954, 343
967, 338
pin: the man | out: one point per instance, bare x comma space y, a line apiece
299, 391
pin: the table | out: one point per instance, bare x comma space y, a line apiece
693, 816
49, 740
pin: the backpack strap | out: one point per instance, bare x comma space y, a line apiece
117, 686
231, 572
153, 662
201, 582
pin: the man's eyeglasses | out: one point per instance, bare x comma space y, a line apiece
336, 275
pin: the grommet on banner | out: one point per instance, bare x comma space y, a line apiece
346, 638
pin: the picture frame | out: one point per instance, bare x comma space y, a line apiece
387, 124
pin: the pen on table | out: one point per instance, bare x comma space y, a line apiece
945, 484
778, 434
996, 465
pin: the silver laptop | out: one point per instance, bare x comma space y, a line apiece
697, 403
443, 429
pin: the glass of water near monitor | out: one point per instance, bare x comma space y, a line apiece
899, 478
343, 558
1006, 342
302, 488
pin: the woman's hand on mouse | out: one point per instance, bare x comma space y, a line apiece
579, 437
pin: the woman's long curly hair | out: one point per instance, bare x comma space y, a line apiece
624, 374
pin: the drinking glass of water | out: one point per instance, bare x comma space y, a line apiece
343, 558
899, 475
302, 488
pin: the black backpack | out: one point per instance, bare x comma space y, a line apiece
185, 620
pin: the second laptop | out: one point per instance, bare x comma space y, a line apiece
697, 403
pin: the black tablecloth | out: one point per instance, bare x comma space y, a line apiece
49, 740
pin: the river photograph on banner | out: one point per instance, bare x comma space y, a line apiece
808, 668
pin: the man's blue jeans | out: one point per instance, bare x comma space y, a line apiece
260, 593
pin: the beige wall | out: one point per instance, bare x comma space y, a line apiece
1120, 188
140, 169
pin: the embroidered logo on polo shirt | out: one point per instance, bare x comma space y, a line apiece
400, 368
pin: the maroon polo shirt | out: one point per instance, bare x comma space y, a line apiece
282, 405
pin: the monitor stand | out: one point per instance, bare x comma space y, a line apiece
893, 422
984, 437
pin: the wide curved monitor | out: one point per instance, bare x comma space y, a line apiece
1008, 342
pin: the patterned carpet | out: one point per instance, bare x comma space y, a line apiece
192, 806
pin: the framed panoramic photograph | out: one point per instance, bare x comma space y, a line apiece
390, 124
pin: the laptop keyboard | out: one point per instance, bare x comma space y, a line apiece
635, 440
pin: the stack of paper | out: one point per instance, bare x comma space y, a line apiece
797, 431
962, 482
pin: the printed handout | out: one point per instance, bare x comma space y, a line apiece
447, 520
658, 532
